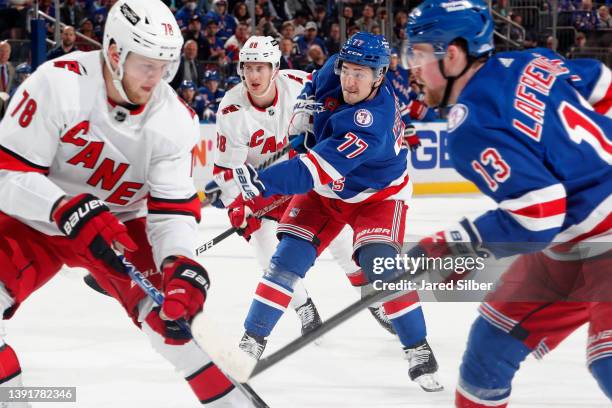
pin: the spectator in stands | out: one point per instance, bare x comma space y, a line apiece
187, 91
67, 46
241, 12
401, 18
306, 8
381, 16
194, 32
214, 50
288, 52
585, 18
268, 9
264, 22
317, 58
502, 8
604, 18
22, 72
567, 5
235, 42
189, 9
7, 70
323, 21
351, 30
348, 15
230, 82
309, 38
287, 30
366, 22
332, 43
99, 16
516, 33
71, 13
189, 69
87, 29
226, 23
551, 43
212, 95
376, 29
47, 7
14, 20
298, 22
579, 45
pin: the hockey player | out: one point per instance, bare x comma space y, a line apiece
252, 123
356, 174
95, 157
531, 130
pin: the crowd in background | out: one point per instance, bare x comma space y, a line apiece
308, 31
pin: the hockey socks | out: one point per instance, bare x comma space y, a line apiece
269, 303
209, 384
10, 370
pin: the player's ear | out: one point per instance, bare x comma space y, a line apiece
455, 57
114, 55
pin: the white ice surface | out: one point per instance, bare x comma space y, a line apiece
67, 335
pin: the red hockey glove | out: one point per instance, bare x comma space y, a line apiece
461, 241
240, 215
411, 139
87, 221
185, 286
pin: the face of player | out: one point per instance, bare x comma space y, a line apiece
141, 76
257, 77
424, 64
357, 82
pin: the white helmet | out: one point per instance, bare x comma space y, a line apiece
144, 27
259, 49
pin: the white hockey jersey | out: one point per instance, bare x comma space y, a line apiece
62, 136
247, 134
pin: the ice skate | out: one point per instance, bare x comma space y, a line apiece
309, 316
252, 345
382, 319
423, 366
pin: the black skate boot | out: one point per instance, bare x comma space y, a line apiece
422, 366
252, 345
309, 316
382, 319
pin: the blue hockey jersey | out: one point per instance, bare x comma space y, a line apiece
532, 131
358, 153
411, 106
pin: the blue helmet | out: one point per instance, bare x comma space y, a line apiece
365, 49
212, 76
187, 85
439, 22
23, 68
232, 80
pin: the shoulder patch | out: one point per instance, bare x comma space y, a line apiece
363, 118
72, 66
457, 116
229, 109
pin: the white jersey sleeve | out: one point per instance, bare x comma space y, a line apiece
29, 137
173, 204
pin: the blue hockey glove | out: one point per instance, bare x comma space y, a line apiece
302, 142
229, 184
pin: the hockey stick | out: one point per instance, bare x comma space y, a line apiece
207, 245
270, 161
243, 367
158, 298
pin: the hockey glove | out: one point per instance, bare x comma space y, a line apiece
461, 241
229, 184
185, 286
95, 232
411, 139
241, 214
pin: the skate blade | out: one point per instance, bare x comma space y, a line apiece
429, 383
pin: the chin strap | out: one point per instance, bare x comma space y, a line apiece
450, 81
